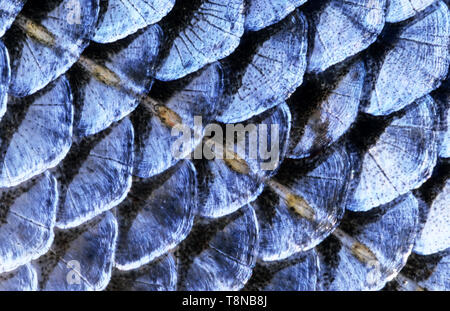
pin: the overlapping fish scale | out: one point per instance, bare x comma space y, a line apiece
397, 154
341, 29
296, 273
199, 32
27, 220
313, 209
324, 108
166, 125
35, 133
157, 215
146, 242
264, 13
219, 254
119, 18
96, 175
109, 80
226, 185
81, 258
46, 39
368, 250
416, 53
265, 70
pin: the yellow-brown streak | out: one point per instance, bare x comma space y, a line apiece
299, 205
294, 201
236, 163
169, 117
359, 250
231, 159
101, 73
150, 103
35, 31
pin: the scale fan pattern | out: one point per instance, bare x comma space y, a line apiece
206, 145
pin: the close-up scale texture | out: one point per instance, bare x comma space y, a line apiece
354, 100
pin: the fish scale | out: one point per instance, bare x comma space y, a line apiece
91, 92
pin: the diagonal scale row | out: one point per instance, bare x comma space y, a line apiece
293, 189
